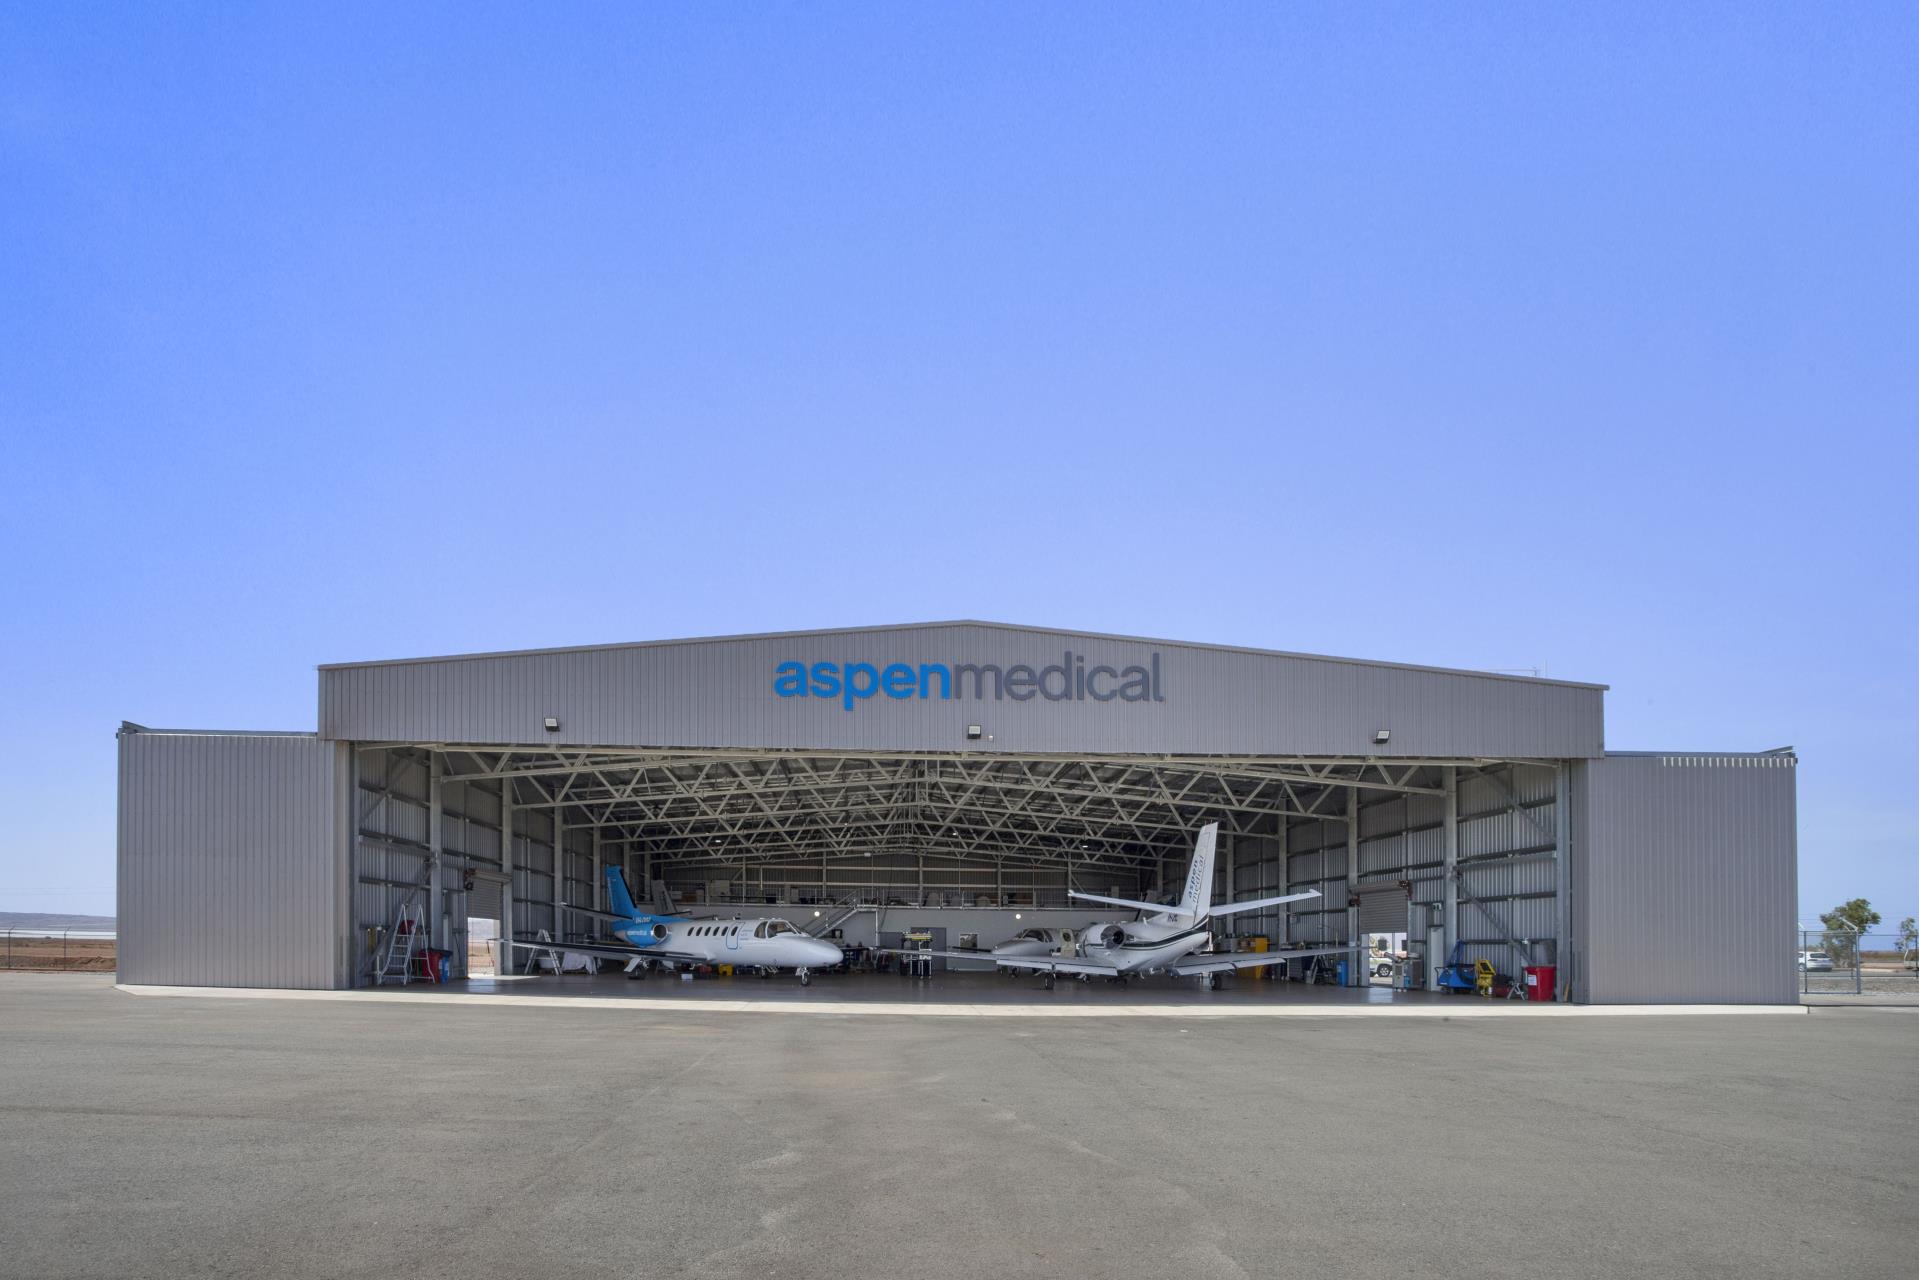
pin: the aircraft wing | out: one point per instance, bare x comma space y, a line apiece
1056, 964
1228, 908
1219, 961
612, 951
1157, 908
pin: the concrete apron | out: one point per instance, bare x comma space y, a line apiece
1464, 1007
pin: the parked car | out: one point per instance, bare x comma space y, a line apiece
1814, 962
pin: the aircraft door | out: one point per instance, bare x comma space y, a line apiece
734, 932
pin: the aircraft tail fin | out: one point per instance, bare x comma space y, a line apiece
618, 900
1197, 901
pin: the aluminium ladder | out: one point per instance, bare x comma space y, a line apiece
403, 945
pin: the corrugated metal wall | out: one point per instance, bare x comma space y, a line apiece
719, 693
1687, 878
392, 850
1506, 826
232, 860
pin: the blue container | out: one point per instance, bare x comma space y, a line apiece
1342, 973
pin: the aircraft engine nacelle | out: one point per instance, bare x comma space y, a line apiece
656, 934
1103, 935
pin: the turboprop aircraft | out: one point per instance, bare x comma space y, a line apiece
1166, 939
648, 937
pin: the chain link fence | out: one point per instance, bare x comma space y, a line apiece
42, 948
1835, 962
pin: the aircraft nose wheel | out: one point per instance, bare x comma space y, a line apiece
806, 979
1049, 982
1212, 982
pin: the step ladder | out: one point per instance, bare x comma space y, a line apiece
404, 943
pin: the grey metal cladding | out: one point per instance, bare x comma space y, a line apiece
1687, 878
230, 859
720, 693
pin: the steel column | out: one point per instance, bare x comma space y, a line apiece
505, 963
599, 874
1451, 855
1562, 878
436, 848
559, 875
1352, 885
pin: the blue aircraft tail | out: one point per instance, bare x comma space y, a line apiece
620, 901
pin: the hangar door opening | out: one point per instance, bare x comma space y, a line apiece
850, 842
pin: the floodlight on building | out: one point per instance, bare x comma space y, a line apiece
1382, 737
973, 731
552, 724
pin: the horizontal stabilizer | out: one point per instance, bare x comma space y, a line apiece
1231, 908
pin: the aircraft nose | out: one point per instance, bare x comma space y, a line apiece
825, 954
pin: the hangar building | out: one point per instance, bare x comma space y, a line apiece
973, 770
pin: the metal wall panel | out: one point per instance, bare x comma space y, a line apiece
1686, 875
719, 693
232, 860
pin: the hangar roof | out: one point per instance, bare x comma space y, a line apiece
923, 687
962, 622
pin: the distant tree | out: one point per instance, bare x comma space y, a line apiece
1844, 925
1908, 937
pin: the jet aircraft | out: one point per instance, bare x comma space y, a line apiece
1166, 939
647, 938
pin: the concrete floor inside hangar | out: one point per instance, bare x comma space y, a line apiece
953, 986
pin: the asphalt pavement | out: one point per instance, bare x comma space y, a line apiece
182, 1136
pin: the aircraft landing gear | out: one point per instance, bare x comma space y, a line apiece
638, 971
1049, 981
1212, 982
806, 979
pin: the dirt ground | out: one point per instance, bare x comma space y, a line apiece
93, 955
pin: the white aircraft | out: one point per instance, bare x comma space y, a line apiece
1166, 938
1037, 942
668, 939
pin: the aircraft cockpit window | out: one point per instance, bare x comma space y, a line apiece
774, 928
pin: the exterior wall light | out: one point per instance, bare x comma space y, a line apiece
552, 724
973, 732
1382, 737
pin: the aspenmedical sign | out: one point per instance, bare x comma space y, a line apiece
1069, 680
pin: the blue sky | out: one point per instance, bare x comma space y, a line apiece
1490, 336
